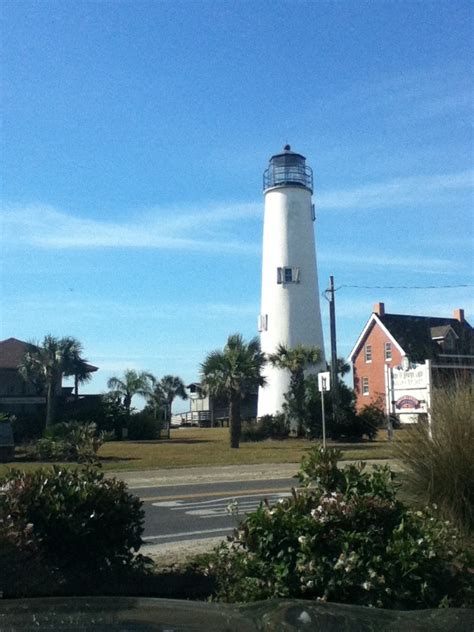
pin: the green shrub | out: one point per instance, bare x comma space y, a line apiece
440, 469
71, 523
143, 425
69, 441
348, 423
267, 427
27, 427
343, 537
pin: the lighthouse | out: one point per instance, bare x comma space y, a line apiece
290, 312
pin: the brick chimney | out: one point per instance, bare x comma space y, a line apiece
379, 309
459, 315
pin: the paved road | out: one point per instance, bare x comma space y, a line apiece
190, 504
197, 511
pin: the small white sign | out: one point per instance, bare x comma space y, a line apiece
324, 381
410, 389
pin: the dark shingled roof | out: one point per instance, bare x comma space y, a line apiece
12, 351
414, 334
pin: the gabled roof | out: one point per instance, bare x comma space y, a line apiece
374, 318
13, 350
440, 332
413, 334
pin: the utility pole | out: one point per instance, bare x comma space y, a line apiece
332, 324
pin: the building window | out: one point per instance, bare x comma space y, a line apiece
288, 275
388, 350
368, 353
263, 322
365, 386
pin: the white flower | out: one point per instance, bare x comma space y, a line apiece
310, 583
304, 617
302, 539
366, 585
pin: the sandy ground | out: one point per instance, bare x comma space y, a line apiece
178, 553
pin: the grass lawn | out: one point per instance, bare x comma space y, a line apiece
193, 447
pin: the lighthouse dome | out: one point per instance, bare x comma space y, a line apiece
288, 168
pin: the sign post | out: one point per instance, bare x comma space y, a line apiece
388, 403
324, 384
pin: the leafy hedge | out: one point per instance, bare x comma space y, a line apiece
144, 426
71, 441
267, 427
63, 525
344, 537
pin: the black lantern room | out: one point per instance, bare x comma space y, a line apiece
288, 169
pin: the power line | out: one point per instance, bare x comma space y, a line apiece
402, 287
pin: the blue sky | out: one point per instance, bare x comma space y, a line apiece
135, 135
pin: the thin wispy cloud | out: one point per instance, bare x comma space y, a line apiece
208, 229
100, 310
46, 227
419, 190
425, 264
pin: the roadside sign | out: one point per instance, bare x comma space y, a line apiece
324, 381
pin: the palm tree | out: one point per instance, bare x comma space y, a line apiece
47, 364
342, 367
132, 383
166, 391
296, 361
234, 372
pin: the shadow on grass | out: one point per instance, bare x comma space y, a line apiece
170, 441
359, 446
116, 459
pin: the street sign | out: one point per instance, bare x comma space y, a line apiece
324, 381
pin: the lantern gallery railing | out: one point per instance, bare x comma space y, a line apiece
300, 175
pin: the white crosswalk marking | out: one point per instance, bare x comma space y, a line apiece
220, 506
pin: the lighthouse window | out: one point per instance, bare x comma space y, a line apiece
263, 322
288, 275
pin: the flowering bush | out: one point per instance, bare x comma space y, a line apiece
343, 537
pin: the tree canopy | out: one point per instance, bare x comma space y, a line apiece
48, 362
295, 360
132, 383
234, 372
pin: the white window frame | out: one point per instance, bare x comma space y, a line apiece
368, 353
365, 385
387, 351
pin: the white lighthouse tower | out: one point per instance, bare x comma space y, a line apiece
290, 312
